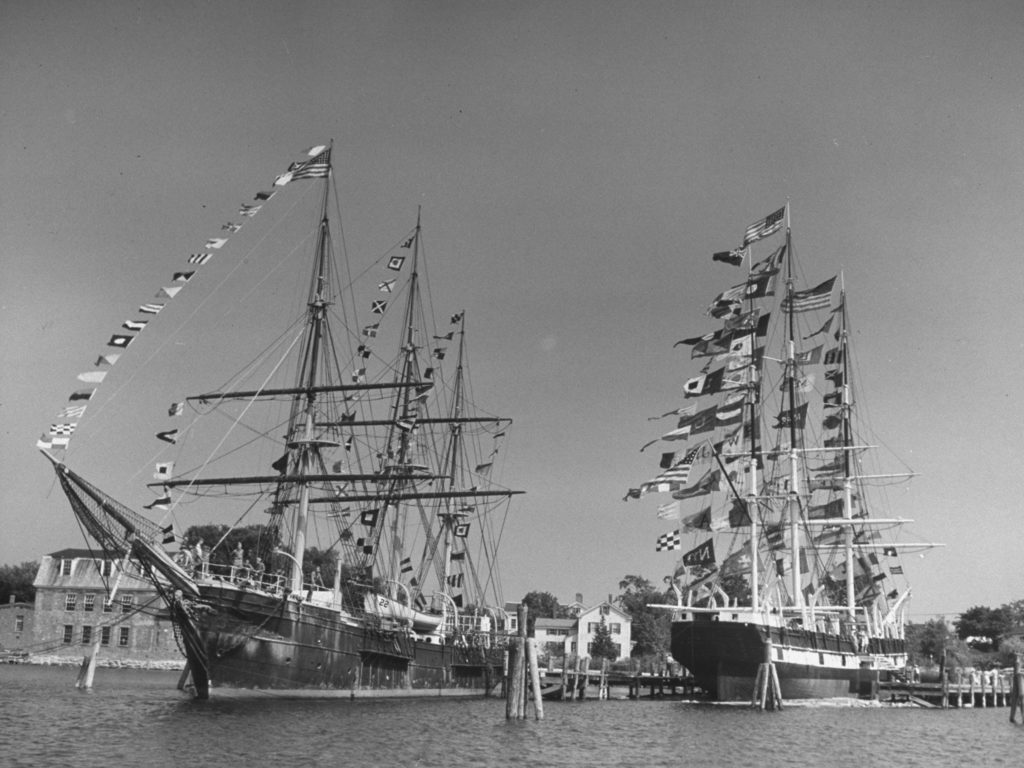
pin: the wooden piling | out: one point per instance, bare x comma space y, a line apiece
1017, 690
531, 659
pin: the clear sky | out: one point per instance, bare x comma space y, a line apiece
577, 163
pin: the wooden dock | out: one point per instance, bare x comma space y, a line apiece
576, 685
958, 689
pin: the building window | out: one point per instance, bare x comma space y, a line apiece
65, 567
615, 627
108, 604
19, 623
105, 636
126, 604
106, 567
86, 635
592, 626
70, 601
89, 603
69, 633
122, 639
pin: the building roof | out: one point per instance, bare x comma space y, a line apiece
71, 553
554, 623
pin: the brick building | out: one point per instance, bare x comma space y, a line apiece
72, 611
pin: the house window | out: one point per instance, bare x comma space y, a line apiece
105, 636
108, 605
615, 628
70, 601
69, 633
592, 626
86, 635
126, 603
122, 639
65, 566
106, 567
89, 602
19, 623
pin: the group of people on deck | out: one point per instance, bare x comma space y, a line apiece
195, 558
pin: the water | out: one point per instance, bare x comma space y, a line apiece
136, 718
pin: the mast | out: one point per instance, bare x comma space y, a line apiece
847, 443
400, 412
308, 377
449, 517
794, 474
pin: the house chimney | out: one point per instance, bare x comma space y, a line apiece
579, 598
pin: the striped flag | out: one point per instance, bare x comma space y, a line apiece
819, 297
317, 168
199, 258
769, 225
151, 309
72, 412
134, 325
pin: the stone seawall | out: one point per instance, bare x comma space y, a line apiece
164, 664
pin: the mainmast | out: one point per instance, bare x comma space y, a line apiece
846, 403
794, 447
303, 420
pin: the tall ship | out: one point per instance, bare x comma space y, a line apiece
789, 569
355, 470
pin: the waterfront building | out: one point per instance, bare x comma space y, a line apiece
73, 610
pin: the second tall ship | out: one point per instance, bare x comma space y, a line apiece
787, 572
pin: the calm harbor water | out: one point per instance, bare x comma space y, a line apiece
136, 718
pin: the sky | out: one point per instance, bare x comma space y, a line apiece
577, 163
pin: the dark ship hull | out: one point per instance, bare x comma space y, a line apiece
245, 640
724, 657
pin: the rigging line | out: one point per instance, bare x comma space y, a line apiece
232, 526
177, 330
245, 410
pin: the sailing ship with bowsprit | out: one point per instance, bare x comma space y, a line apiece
357, 473
788, 569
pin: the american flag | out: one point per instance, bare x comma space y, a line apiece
317, 168
769, 225
819, 297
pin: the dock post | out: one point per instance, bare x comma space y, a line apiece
602, 686
531, 659
959, 687
945, 688
185, 674
767, 689
1016, 690
515, 698
565, 673
585, 677
88, 668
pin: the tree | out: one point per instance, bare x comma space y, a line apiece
17, 580
983, 622
928, 640
541, 605
651, 628
602, 646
